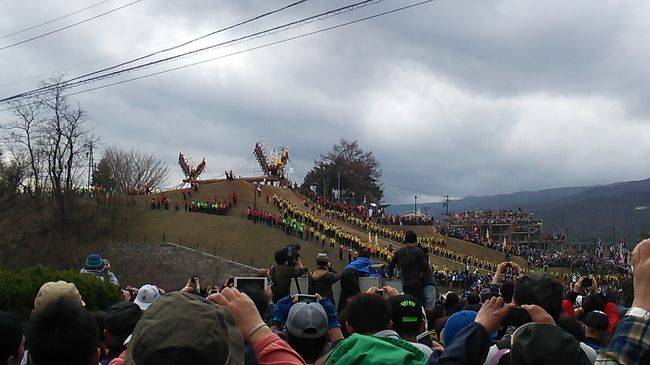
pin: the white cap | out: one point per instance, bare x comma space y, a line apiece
147, 294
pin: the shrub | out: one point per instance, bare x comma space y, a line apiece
18, 289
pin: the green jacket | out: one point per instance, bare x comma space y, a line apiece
369, 350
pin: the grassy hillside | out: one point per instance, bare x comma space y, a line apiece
235, 237
229, 237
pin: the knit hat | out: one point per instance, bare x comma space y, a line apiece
182, 328
361, 349
121, 319
52, 291
543, 343
410, 237
322, 257
406, 313
94, 262
597, 320
147, 294
307, 320
455, 323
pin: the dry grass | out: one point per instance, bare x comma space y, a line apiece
229, 237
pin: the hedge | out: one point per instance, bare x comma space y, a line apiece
18, 288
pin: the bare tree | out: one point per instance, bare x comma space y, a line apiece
51, 136
119, 171
67, 139
24, 142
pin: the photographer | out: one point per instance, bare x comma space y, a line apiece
287, 266
322, 279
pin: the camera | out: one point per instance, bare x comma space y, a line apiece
380, 292
587, 282
517, 317
306, 298
509, 265
293, 254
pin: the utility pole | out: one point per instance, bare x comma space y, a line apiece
90, 163
415, 208
338, 189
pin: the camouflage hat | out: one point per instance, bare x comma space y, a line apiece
181, 328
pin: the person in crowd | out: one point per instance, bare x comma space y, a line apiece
147, 294
455, 323
12, 340
451, 303
63, 332
630, 343
311, 326
282, 272
413, 266
263, 300
595, 326
100, 268
120, 321
322, 279
473, 302
54, 290
358, 268
541, 291
407, 317
163, 335
372, 340
100, 320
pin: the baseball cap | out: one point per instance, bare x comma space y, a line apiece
455, 323
147, 294
543, 343
181, 328
120, 320
54, 290
307, 320
406, 313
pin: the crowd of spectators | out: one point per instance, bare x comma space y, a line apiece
330, 233
517, 318
366, 211
493, 216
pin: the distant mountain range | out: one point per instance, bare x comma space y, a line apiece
587, 212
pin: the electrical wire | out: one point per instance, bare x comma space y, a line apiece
412, 190
322, 16
53, 20
266, 45
69, 26
193, 40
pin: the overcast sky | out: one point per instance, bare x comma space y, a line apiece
457, 97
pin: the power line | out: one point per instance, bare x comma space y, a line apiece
412, 190
53, 20
284, 27
251, 49
70, 26
193, 40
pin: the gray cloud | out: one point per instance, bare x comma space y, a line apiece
455, 97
